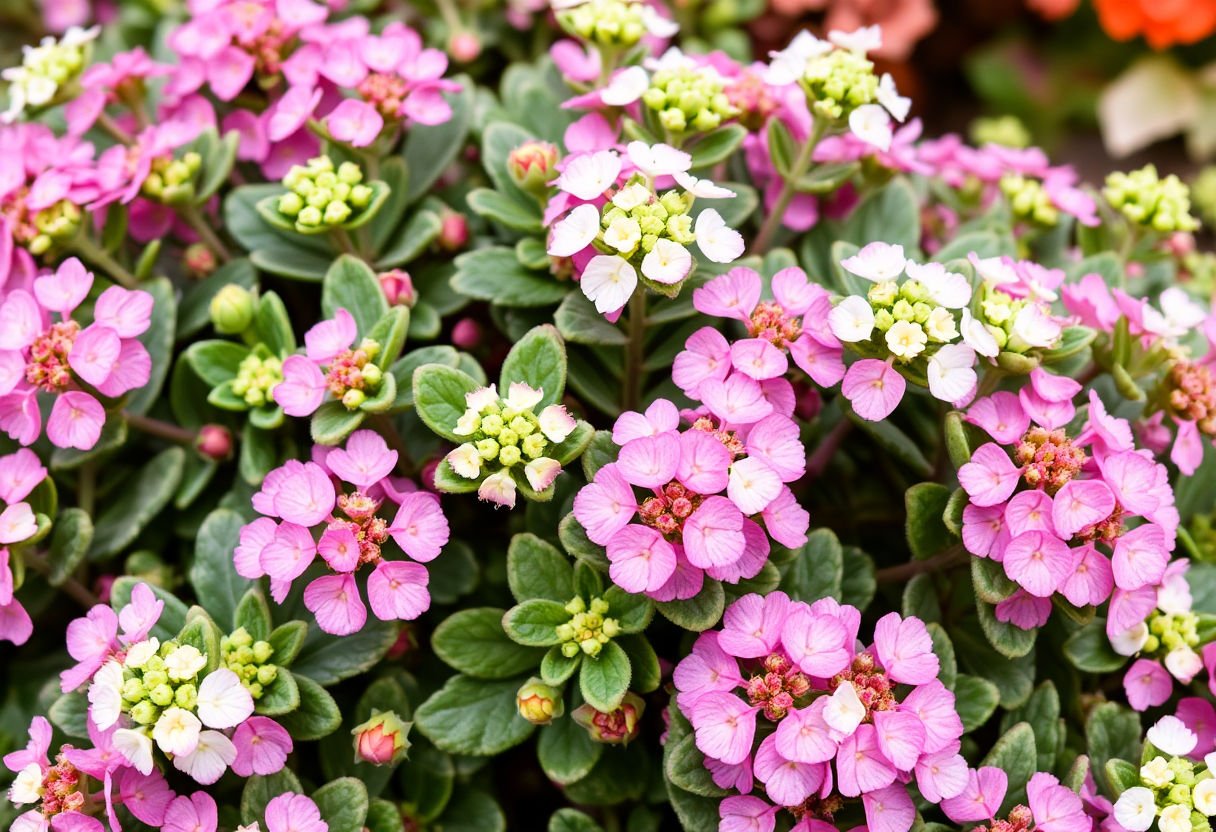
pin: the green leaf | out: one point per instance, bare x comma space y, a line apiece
1013, 678
330, 659
253, 613
989, 581
473, 642
896, 442
343, 804
944, 648
70, 714
418, 232
390, 332
218, 156
699, 612
975, 699
572, 820
566, 751
643, 661
473, 716
1089, 649
260, 789
599, 453
294, 263
536, 569
632, 612
575, 541
511, 210
316, 717
71, 537
279, 697
920, 599
273, 325
1042, 713
333, 422
1014, 753
604, 679
858, 585
925, 504
202, 633
384, 816
158, 341
782, 148
213, 574
351, 284
1111, 732
695, 813
717, 145
439, 398
427, 780
683, 762
495, 274
534, 623
579, 323
957, 445
1073, 340
142, 498
816, 570
287, 640
890, 214
538, 360
216, 362
472, 810
1010, 641
1121, 775
825, 178
556, 668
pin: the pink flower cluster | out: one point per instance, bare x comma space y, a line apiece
332, 363
331, 506
20, 473
94, 639
683, 527
849, 724
1053, 807
1089, 516
57, 356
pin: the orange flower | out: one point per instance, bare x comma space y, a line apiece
1162, 22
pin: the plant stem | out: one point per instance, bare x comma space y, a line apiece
634, 351
190, 213
112, 127
74, 588
818, 461
945, 559
161, 429
345, 244
801, 164
102, 259
86, 486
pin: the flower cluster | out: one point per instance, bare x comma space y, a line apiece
333, 365
47, 71
20, 474
1145, 199
332, 507
320, 197
876, 718
1174, 792
1013, 313
1052, 806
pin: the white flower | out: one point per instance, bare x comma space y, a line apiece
588, 175
702, 188
716, 240
623, 234
575, 231
789, 65
872, 125
1157, 772
468, 423
656, 24
105, 695
522, 396
498, 488
465, 461
481, 398
223, 701
1129, 642
27, 786
877, 262
977, 336
673, 58
844, 711
752, 485
1203, 795
1178, 315
951, 372
1175, 818
1135, 809
906, 339
184, 663
209, 759
626, 87
556, 423
1174, 595
668, 262
940, 325
995, 270
135, 747
1171, 736
176, 732
659, 159
863, 40
1183, 663
1035, 327
631, 196
608, 281
949, 289
852, 319
897, 105
541, 472
138, 654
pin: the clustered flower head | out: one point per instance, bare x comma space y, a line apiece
321, 196
47, 71
1087, 515
1147, 200
611, 25
1174, 792
686, 96
44, 350
249, 660
904, 329
1053, 807
334, 367
337, 506
679, 505
848, 723
623, 225
1013, 313
506, 436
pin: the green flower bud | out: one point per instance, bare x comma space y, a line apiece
232, 310
145, 713
161, 695
262, 651
186, 696
539, 703
353, 399
509, 455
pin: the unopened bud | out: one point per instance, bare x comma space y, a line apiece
466, 334
464, 47
398, 288
615, 727
214, 442
539, 703
199, 260
532, 165
382, 740
427, 474
454, 232
232, 310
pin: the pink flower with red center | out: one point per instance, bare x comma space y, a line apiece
660, 511
333, 367
847, 724
339, 507
43, 354
1053, 806
1080, 515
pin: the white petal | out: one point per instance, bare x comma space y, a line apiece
877, 262
625, 87
702, 188
209, 760
588, 175
223, 701
575, 231
136, 747
608, 281
668, 262
872, 125
1171, 735
659, 159
844, 711
897, 105
716, 240
865, 39
852, 319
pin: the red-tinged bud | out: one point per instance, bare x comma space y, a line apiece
1180, 243
102, 587
539, 703
427, 474
808, 402
214, 442
382, 740
398, 288
616, 727
533, 165
464, 47
466, 334
199, 260
405, 644
454, 233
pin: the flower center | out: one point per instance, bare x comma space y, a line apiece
353, 375
771, 322
384, 92
1019, 820
669, 508
777, 687
873, 687
369, 530
61, 788
818, 808
1192, 394
48, 362
1049, 460
729, 438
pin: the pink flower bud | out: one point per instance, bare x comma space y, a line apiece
464, 47
214, 442
615, 727
102, 587
466, 334
199, 260
427, 474
405, 644
398, 288
539, 703
454, 234
382, 739
532, 165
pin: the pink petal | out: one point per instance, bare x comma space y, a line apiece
905, 649
641, 560
1038, 562
874, 388
335, 601
1081, 503
990, 477
397, 589
76, 421
724, 725
713, 534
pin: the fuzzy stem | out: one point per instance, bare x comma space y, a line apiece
801, 164
634, 351
947, 558
190, 213
102, 259
161, 429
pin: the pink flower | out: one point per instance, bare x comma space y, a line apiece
981, 799
194, 813
1056, 808
262, 746
874, 388
93, 639
355, 122
294, 813
1147, 684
